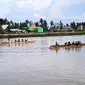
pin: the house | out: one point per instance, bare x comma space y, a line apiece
53, 29
80, 27
67, 28
2, 31
16, 31
4, 27
32, 28
35, 29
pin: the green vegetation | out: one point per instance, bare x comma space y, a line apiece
41, 23
42, 34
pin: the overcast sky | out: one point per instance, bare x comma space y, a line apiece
56, 10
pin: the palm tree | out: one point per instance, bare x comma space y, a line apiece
36, 23
1, 21
51, 23
45, 25
61, 25
26, 21
41, 21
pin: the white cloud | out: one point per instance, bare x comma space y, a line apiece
55, 11
40, 4
82, 17
39, 16
48, 9
65, 3
6, 1
21, 4
4, 9
36, 4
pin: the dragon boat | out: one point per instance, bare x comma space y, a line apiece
30, 41
55, 47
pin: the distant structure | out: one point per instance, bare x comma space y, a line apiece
67, 28
4, 27
1, 30
80, 27
18, 31
57, 25
33, 28
30, 24
52, 29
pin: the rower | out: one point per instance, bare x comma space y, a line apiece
79, 42
8, 39
65, 43
15, 40
22, 40
56, 44
73, 43
25, 40
76, 43
69, 43
18, 40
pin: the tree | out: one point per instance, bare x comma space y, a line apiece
45, 26
45, 23
67, 24
41, 21
51, 23
77, 24
73, 25
1, 21
22, 25
16, 25
61, 25
37, 24
30, 23
6, 21
11, 23
26, 21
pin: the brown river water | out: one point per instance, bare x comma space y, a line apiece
36, 64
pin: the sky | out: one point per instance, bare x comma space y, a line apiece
33, 10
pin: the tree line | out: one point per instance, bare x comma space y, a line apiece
42, 23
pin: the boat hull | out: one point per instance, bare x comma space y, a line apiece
63, 46
32, 41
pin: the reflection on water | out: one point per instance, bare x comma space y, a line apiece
76, 49
36, 64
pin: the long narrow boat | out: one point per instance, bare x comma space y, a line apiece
54, 47
31, 41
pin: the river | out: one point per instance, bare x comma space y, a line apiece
36, 64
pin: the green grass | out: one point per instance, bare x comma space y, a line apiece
43, 34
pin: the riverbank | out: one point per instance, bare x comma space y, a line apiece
41, 34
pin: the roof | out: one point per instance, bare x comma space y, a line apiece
4, 26
34, 27
53, 28
15, 30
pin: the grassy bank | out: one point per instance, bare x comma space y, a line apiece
41, 34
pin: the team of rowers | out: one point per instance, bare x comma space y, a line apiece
69, 43
22, 40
